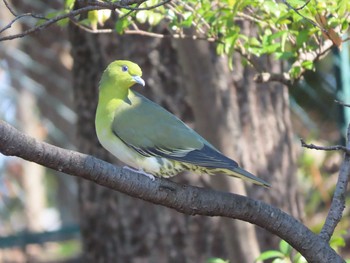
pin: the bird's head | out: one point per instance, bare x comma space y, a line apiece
123, 73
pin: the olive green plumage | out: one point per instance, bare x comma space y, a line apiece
147, 137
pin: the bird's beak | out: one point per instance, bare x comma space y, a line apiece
139, 80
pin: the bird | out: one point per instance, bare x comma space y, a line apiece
149, 139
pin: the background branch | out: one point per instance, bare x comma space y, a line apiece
285, 78
325, 148
183, 198
338, 202
92, 5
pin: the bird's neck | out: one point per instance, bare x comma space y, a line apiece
112, 94
111, 88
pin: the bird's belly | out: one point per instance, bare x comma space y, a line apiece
157, 166
116, 147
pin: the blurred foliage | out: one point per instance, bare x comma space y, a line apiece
286, 254
285, 29
217, 260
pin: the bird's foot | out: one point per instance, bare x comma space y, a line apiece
140, 171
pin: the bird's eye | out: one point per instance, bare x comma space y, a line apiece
124, 68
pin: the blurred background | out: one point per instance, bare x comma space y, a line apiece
39, 208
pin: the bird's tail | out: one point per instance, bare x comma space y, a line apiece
245, 175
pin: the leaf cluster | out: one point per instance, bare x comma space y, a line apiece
283, 30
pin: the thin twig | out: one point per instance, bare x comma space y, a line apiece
157, 35
325, 148
110, 5
72, 14
9, 25
90, 30
12, 11
296, 10
342, 103
50, 22
9, 8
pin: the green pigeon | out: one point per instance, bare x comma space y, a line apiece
150, 139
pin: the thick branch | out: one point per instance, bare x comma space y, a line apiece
183, 198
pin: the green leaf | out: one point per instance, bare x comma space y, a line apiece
270, 254
51, 15
284, 247
342, 7
307, 64
337, 241
302, 37
121, 25
344, 25
188, 16
63, 22
295, 71
154, 18
284, 55
55, 13
69, 4
141, 16
271, 48
217, 260
299, 259
220, 49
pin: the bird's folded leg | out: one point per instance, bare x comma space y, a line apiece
140, 171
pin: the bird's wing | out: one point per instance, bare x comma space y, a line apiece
152, 131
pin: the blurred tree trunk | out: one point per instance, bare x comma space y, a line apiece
213, 99
249, 123
189, 80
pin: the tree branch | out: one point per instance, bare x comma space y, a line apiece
285, 78
126, 4
325, 148
342, 104
49, 22
92, 5
183, 198
296, 10
338, 202
265, 77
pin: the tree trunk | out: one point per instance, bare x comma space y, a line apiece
250, 124
213, 99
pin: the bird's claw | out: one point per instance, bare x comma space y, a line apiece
140, 171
